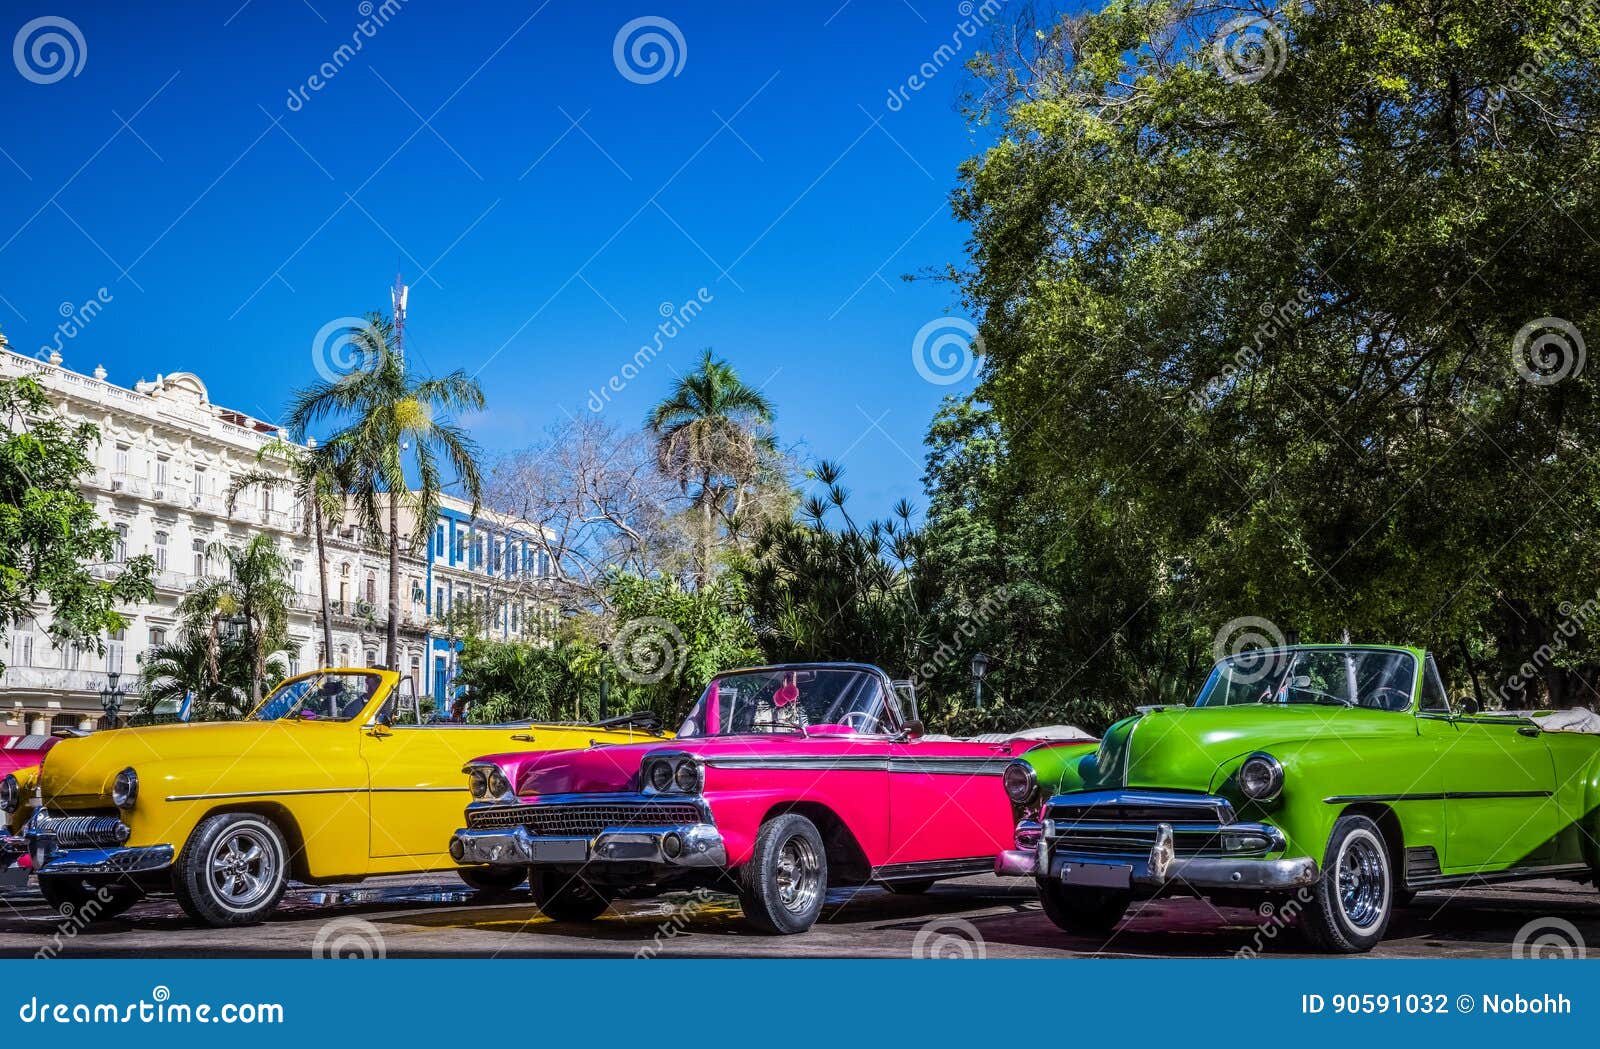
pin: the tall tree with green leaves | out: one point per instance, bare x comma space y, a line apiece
713, 436
250, 603
53, 545
1286, 306
314, 477
221, 682
394, 425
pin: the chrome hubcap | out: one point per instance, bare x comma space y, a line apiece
1363, 880
243, 867
799, 875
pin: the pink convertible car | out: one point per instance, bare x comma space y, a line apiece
783, 780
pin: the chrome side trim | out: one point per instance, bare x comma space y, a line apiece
1564, 870
1449, 795
926, 765
270, 793
932, 869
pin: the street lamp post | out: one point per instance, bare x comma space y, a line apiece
111, 697
980, 667
605, 657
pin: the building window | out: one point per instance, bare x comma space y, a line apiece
162, 465
372, 657
438, 600
114, 652
161, 551
372, 589
461, 548
122, 543
477, 552
122, 459
200, 481
158, 637
438, 540
297, 576
22, 649
72, 658
198, 546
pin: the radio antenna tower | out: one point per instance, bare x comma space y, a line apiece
397, 298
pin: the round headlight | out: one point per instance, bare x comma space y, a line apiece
687, 777
1020, 781
125, 789
1261, 777
660, 774
499, 786
480, 783
10, 794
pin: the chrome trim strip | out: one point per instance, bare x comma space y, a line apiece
266, 793
1449, 795
1491, 877
932, 869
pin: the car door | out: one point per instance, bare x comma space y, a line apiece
1499, 804
1498, 780
946, 801
418, 793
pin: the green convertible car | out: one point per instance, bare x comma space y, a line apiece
1336, 776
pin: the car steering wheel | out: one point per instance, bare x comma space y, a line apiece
1403, 697
866, 720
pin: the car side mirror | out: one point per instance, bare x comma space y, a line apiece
1470, 706
914, 728
379, 730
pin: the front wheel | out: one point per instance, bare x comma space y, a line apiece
493, 880
86, 900
1082, 911
233, 870
1353, 899
563, 897
783, 887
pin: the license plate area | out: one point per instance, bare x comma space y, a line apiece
1098, 875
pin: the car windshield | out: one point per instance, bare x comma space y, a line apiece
1376, 679
320, 697
799, 700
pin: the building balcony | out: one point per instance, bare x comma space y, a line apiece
169, 494
129, 484
58, 679
208, 504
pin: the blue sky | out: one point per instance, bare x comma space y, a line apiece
544, 205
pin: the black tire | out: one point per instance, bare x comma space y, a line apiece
909, 888
564, 897
1082, 911
493, 881
783, 887
232, 870
86, 899
1352, 901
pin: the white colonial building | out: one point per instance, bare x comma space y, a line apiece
164, 465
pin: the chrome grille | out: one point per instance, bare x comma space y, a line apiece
85, 832
1123, 823
583, 819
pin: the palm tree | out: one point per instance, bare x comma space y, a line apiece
314, 476
393, 424
182, 667
713, 436
253, 598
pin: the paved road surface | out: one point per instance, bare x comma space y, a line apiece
434, 916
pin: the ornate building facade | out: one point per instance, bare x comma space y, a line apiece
166, 460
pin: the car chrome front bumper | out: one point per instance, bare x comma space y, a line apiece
669, 845
88, 845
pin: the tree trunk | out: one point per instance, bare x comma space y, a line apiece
393, 657
322, 586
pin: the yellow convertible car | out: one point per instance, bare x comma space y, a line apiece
335, 777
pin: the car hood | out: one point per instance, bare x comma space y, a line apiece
616, 767
80, 771
1193, 748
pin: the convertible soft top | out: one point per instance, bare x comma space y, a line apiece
1577, 719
